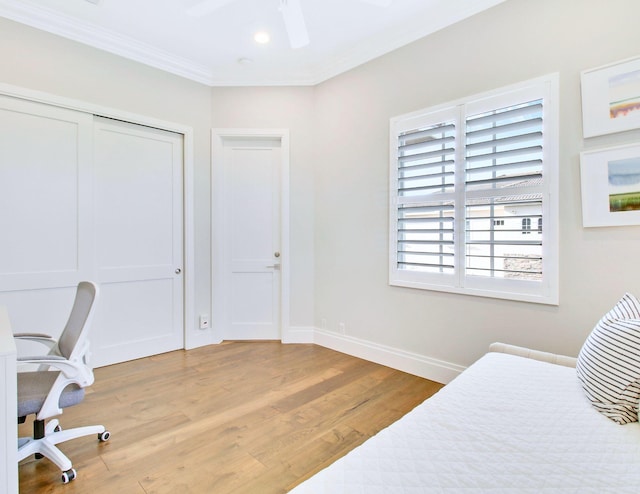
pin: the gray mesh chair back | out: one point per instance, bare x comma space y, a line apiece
77, 322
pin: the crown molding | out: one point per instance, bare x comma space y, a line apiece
443, 14
90, 34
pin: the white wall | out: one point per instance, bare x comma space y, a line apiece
339, 169
512, 42
40, 61
291, 108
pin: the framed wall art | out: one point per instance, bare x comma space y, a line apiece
611, 186
611, 98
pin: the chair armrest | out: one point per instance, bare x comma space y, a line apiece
45, 339
36, 359
32, 335
68, 368
552, 358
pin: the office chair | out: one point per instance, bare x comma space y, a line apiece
58, 383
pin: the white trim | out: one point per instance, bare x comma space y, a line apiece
442, 15
217, 218
187, 132
53, 21
83, 106
412, 363
192, 338
300, 335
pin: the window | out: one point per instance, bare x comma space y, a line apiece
460, 170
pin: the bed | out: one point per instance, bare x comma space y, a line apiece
516, 421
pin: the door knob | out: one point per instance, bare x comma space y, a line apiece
276, 254
178, 271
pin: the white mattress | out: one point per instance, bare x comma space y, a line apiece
506, 424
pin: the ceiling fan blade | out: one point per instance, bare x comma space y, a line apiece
294, 22
379, 3
206, 7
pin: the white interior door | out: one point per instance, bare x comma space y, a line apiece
96, 199
45, 181
45, 192
252, 253
138, 246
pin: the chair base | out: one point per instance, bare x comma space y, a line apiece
53, 434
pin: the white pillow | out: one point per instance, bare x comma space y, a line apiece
608, 365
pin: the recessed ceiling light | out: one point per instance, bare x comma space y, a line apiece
262, 37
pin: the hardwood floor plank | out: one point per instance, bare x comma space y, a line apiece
239, 417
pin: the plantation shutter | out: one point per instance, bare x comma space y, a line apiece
425, 185
474, 195
504, 192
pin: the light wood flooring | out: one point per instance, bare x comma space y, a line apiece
245, 417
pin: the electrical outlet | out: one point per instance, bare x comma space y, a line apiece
204, 321
341, 328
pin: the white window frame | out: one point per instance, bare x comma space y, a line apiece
543, 291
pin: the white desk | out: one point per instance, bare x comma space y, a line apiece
8, 411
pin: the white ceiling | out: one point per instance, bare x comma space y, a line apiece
208, 48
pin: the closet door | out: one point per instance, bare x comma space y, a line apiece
46, 227
138, 240
83, 197
45, 192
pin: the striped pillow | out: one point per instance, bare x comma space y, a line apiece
609, 362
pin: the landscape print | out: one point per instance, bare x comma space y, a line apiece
624, 185
624, 94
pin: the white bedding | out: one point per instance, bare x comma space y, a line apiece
506, 424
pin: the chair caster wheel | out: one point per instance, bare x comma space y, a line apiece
104, 436
69, 475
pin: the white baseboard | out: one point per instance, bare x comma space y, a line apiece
298, 334
199, 338
412, 363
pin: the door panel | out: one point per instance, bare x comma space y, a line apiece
252, 191
134, 196
138, 217
44, 183
133, 318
